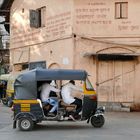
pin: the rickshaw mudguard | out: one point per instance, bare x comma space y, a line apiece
25, 114
89, 107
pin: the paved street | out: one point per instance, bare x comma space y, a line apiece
5, 116
118, 126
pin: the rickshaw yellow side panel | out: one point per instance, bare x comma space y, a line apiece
10, 91
25, 102
86, 92
25, 105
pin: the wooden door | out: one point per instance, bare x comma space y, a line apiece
115, 81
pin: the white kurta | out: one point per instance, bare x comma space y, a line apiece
45, 91
66, 92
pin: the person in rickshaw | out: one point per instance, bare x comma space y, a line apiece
46, 89
67, 97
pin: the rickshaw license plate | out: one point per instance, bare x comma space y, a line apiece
25, 107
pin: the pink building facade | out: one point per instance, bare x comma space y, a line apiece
102, 37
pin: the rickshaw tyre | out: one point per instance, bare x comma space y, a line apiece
25, 124
9, 103
97, 121
4, 102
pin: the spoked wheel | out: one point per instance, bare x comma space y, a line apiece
97, 121
25, 124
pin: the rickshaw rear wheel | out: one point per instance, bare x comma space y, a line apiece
97, 121
25, 124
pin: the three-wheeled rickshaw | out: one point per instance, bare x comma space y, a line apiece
3, 86
7, 88
29, 110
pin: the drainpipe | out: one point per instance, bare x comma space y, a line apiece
74, 50
97, 73
1, 47
29, 58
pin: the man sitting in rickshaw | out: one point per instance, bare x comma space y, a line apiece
46, 88
67, 97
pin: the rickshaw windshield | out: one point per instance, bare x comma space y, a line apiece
89, 85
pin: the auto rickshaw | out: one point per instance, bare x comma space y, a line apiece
7, 88
3, 87
29, 110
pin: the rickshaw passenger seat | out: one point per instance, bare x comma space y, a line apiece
67, 106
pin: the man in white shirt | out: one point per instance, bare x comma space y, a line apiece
45, 92
66, 91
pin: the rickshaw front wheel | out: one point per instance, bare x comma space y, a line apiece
9, 103
97, 121
4, 101
25, 124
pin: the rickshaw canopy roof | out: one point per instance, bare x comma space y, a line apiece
26, 83
9, 77
5, 77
